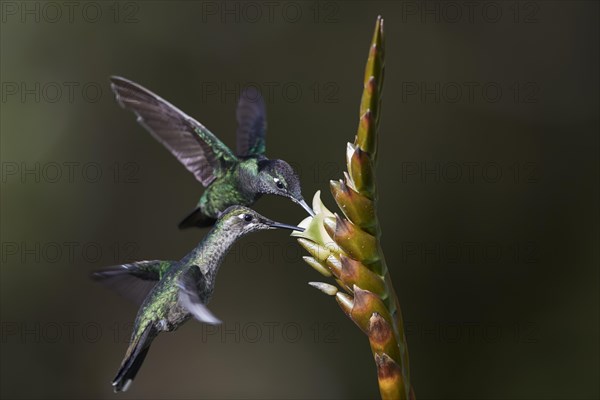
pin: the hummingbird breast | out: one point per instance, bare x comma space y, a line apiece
161, 308
235, 188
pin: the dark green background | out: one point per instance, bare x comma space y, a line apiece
513, 316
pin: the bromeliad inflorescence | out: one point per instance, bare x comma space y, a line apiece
348, 249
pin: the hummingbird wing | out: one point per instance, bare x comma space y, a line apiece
252, 123
192, 287
195, 147
135, 280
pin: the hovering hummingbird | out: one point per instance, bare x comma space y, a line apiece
229, 179
178, 290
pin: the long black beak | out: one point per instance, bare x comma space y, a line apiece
306, 207
284, 226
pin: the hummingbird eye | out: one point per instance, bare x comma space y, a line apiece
248, 217
279, 184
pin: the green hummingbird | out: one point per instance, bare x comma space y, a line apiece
229, 179
177, 290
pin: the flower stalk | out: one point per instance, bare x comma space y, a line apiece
347, 247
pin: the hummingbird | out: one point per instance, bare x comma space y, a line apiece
178, 290
229, 179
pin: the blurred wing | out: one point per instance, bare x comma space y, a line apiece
133, 281
191, 284
252, 123
195, 147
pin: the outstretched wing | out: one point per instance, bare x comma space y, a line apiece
195, 147
192, 294
135, 280
252, 123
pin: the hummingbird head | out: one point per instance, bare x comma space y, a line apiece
242, 220
278, 177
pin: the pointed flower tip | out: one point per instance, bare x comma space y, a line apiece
374, 318
380, 330
349, 181
318, 206
339, 187
342, 223
318, 251
345, 301
305, 223
336, 185
350, 148
316, 264
387, 368
379, 25
330, 224
326, 288
316, 198
334, 264
360, 168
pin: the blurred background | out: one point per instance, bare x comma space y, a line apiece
488, 194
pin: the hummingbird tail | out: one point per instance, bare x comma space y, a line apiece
196, 219
136, 353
